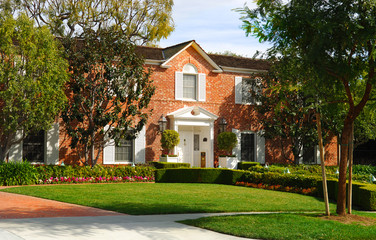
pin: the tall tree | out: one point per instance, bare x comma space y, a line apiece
140, 21
289, 110
32, 77
337, 39
108, 93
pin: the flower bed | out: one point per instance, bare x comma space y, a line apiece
65, 180
306, 191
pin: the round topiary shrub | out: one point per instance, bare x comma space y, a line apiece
227, 141
170, 139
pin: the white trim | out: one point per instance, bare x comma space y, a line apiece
217, 69
153, 62
242, 70
52, 145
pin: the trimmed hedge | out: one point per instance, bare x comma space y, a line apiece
23, 173
199, 175
364, 195
246, 165
161, 165
18, 173
286, 180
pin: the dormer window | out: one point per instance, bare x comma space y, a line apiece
190, 85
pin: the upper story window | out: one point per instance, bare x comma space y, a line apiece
190, 85
245, 88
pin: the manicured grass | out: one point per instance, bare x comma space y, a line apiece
163, 198
284, 226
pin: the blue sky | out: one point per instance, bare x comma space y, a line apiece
213, 25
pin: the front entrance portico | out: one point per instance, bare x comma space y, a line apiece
195, 126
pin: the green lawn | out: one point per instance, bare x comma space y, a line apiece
284, 226
162, 198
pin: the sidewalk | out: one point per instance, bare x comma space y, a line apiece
29, 218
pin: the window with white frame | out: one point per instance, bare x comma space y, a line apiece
124, 151
189, 84
245, 90
33, 147
248, 150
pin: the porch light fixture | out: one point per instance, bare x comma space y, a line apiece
222, 125
162, 124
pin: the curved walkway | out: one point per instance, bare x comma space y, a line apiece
30, 218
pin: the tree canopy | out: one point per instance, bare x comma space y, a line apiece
140, 21
337, 40
109, 92
32, 77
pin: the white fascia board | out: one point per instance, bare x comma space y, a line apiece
217, 69
242, 70
153, 62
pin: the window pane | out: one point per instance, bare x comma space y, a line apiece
248, 147
33, 147
246, 91
189, 86
124, 152
309, 155
196, 142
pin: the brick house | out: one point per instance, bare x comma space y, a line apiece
195, 91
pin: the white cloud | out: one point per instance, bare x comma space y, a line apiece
214, 25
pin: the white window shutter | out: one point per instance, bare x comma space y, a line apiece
178, 85
15, 151
202, 87
237, 150
52, 145
258, 90
318, 158
238, 90
260, 145
109, 150
301, 155
139, 142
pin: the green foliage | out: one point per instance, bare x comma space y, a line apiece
109, 98
364, 195
23, 173
48, 171
364, 170
286, 180
139, 20
335, 41
161, 165
170, 139
246, 165
199, 175
33, 73
18, 173
227, 141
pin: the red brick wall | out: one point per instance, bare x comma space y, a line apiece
220, 100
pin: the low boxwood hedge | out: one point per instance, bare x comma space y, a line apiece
246, 165
161, 165
199, 175
363, 195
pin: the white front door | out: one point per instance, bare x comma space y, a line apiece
185, 147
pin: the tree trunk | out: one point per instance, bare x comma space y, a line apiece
324, 184
351, 150
345, 140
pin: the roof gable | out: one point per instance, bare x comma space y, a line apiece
171, 52
220, 63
